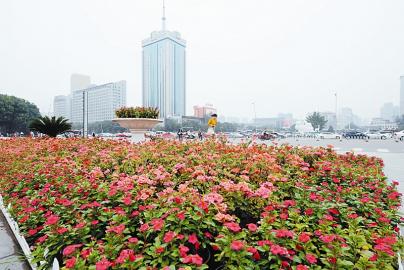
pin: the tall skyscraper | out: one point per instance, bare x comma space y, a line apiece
61, 106
402, 95
100, 102
164, 72
79, 81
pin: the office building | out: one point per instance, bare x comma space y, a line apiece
402, 95
164, 72
389, 112
98, 103
79, 81
61, 106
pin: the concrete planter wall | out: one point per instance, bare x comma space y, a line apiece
137, 126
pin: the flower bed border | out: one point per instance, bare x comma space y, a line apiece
22, 242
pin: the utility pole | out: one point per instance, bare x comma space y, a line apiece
84, 115
336, 111
255, 116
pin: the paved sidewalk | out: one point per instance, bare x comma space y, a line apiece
11, 256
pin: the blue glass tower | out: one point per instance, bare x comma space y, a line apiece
164, 72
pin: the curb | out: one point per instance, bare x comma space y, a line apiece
20, 238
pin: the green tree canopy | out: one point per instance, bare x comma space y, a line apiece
50, 126
16, 114
316, 120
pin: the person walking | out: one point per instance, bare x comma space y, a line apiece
200, 137
212, 124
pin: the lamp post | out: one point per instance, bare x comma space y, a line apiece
255, 116
85, 112
336, 112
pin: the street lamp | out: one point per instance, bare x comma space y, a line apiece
255, 116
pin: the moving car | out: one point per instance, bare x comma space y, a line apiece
328, 135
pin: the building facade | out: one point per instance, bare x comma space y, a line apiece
204, 111
402, 95
389, 112
98, 103
61, 106
164, 72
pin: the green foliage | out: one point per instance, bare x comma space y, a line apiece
316, 120
101, 127
137, 112
16, 113
50, 126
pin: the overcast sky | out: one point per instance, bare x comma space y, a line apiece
284, 55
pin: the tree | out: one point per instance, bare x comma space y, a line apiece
50, 126
16, 114
316, 120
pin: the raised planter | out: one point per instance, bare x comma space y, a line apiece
137, 126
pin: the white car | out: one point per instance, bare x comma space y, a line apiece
376, 135
399, 135
328, 135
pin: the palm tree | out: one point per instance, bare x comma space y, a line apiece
50, 126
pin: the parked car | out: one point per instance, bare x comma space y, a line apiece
266, 136
376, 135
328, 135
399, 135
354, 135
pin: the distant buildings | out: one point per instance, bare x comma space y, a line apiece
97, 102
402, 95
283, 120
331, 119
347, 119
100, 102
62, 107
389, 112
164, 72
380, 123
204, 111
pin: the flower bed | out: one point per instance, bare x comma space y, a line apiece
167, 205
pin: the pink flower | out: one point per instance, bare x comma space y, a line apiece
62, 230
282, 233
236, 245
144, 227
278, 250
133, 240
31, 232
157, 224
252, 227
104, 264
70, 262
183, 250
311, 258
169, 236
52, 219
70, 249
302, 267
192, 238
232, 226
327, 238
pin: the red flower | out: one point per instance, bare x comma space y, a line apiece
302, 267
31, 232
159, 250
183, 250
169, 236
278, 250
193, 239
252, 227
70, 249
282, 233
52, 219
104, 264
304, 237
311, 258
232, 226
133, 240
62, 230
327, 238
157, 224
85, 253
192, 259
70, 262
236, 245
117, 229
284, 216
181, 215
144, 227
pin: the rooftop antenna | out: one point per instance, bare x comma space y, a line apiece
164, 16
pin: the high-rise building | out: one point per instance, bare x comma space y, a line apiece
389, 112
204, 111
79, 81
164, 72
61, 106
402, 95
98, 103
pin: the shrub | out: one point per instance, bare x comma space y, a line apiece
169, 205
137, 112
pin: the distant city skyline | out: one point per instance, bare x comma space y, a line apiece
285, 56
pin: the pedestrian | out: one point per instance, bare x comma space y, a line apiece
212, 124
200, 135
93, 134
179, 133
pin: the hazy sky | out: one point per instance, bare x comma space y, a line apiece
284, 55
